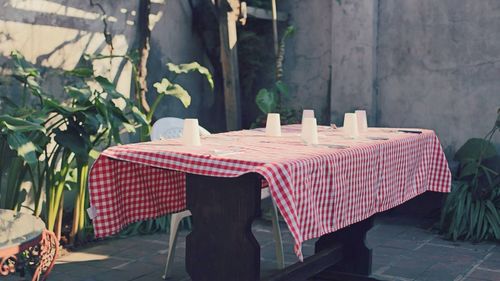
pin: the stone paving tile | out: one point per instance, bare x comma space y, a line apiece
484, 274
403, 250
444, 271
477, 247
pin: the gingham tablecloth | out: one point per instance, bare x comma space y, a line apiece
318, 189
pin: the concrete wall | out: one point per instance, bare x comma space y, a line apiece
308, 55
430, 64
439, 66
353, 58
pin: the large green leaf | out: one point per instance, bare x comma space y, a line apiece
91, 123
80, 94
473, 148
19, 125
83, 72
138, 116
266, 100
108, 87
192, 67
24, 69
165, 87
469, 168
24, 147
74, 142
55, 106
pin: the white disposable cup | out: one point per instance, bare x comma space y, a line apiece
351, 125
191, 132
309, 131
307, 113
273, 125
362, 122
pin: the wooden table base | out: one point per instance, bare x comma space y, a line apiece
221, 245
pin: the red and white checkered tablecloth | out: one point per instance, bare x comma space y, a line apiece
318, 189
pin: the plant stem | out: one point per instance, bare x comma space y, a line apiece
79, 208
59, 217
149, 116
56, 192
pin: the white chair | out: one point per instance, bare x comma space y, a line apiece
169, 128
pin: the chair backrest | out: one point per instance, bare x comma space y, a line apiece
170, 128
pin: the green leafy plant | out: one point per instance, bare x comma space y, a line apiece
54, 141
165, 87
168, 87
472, 209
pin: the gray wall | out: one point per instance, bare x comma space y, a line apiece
439, 66
308, 55
430, 64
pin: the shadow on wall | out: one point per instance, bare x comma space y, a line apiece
56, 34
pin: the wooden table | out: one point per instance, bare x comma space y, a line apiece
328, 191
26, 234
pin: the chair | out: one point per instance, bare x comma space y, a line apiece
169, 128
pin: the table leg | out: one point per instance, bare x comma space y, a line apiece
221, 245
357, 257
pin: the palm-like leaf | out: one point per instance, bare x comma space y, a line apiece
165, 87
191, 67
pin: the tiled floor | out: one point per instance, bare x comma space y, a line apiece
404, 249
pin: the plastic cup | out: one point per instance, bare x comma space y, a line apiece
351, 125
273, 125
191, 132
362, 122
309, 132
307, 113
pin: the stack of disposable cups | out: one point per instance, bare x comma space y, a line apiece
191, 133
273, 125
351, 125
309, 131
361, 118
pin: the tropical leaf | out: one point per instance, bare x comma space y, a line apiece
66, 111
91, 122
138, 116
266, 100
71, 140
19, 125
165, 87
25, 148
109, 87
469, 168
82, 72
80, 94
474, 149
192, 67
